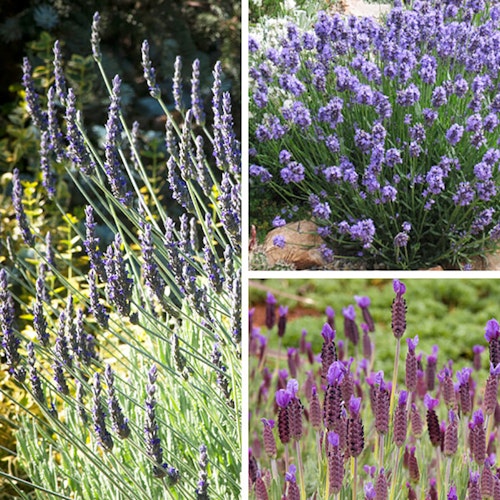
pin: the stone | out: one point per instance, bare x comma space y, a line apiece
301, 249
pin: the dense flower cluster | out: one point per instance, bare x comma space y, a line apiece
436, 432
386, 132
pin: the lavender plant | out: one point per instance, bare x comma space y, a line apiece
432, 433
385, 133
127, 339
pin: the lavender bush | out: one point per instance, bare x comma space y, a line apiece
328, 423
127, 338
385, 133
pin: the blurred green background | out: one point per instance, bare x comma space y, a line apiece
450, 313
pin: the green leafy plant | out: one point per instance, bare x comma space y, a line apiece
125, 328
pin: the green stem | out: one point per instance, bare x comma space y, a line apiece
394, 378
301, 471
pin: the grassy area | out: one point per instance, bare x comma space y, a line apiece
451, 313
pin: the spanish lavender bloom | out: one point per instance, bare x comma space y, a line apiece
478, 437
270, 310
335, 462
282, 317
17, 201
382, 402
283, 399
119, 422
149, 71
430, 371
355, 430
330, 319
413, 469
268, 438
119, 284
477, 350
381, 487
350, 327
417, 427
474, 492
38, 116
400, 420
260, 488
364, 303
399, 310
463, 377
77, 151
432, 420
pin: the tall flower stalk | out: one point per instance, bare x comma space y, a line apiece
129, 289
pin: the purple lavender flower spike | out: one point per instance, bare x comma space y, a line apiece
95, 38
48, 176
17, 201
149, 71
36, 385
177, 83
112, 165
120, 423
270, 310
104, 438
282, 320
60, 80
98, 310
196, 100
38, 116
202, 490
77, 151
119, 285
152, 276
153, 443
